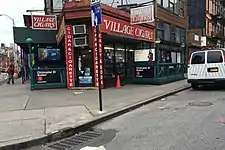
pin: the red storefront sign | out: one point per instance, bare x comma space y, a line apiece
96, 58
44, 22
124, 28
69, 57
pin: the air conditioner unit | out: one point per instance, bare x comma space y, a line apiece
80, 41
79, 29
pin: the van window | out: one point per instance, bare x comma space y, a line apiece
214, 57
198, 58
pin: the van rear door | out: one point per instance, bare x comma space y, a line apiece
197, 66
215, 64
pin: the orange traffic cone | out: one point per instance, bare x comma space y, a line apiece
118, 85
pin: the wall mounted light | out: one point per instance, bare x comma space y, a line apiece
157, 41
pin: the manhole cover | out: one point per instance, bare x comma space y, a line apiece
76, 140
200, 104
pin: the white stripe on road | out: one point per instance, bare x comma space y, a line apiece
93, 148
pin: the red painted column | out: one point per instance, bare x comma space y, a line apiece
96, 58
70, 69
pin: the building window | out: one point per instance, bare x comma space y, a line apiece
207, 26
210, 29
160, 34
181, 8
166, 3
178, 35
172, 33
159, 2
182, 35
172, 8
210, 6
166, 32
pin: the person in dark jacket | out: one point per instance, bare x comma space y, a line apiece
23, 73
11, 72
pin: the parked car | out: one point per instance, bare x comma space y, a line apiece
206, 67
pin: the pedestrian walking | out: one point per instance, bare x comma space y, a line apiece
11, 71
23, 73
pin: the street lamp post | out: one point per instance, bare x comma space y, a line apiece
9, 18
29, 42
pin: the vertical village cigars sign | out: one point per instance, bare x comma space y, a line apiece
44, 22
96, 58
123, 28
69, 57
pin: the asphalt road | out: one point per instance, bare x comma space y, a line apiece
173, 123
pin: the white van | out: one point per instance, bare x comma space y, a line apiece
206, 67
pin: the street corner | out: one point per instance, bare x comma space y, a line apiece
66, 117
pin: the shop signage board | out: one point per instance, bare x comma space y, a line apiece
144, 72
48, 76
143, 14
124, 28
96, 58
144, 55
69, 57
96, 14
44, 22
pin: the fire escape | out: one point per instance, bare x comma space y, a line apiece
218, 19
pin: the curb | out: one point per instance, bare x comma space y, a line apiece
66, 132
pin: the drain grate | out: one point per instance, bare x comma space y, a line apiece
74, 141
203, 104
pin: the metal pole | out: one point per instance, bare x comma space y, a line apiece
99, 73
30, 62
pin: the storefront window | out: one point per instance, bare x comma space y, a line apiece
146, 45
109, 60
120, 59
85, 67
165, 57
140, 45
176, 57
129, 59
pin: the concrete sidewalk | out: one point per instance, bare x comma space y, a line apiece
26, 115
3, 78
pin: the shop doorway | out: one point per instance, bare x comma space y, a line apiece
118, 59
84, 68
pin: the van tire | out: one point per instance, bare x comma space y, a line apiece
194, 86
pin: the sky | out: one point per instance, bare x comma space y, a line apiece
16, 11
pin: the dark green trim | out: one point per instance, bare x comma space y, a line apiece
50, 85
38, 36
162, 77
